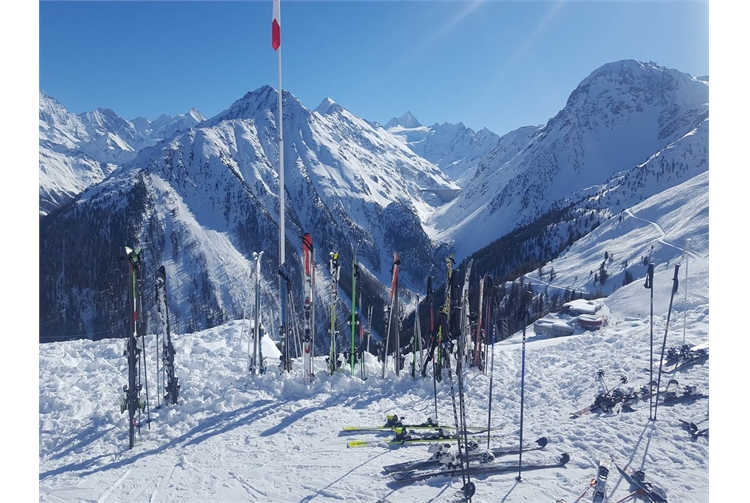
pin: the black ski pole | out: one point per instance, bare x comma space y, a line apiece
469, 488
666, 330
492, 368
525, 317
142, 336
650, 285
158, 374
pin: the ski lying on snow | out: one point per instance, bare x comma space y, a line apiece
411, 437
686, 363
638, 479
470, 429
442, 456
483, 469
393, 422
600, 490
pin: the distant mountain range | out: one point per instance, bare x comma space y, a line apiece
455, 148
201, 195
78, 150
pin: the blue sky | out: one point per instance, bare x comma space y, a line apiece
495, 64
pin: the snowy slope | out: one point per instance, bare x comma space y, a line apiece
274, 438
655, 230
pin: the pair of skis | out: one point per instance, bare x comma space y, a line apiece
256, 362
407, 437
134, 347
491, 468
393, 311
308, 343
335, 270
394, 421
443, 456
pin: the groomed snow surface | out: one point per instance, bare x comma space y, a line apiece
234, 437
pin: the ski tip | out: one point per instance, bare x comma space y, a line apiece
541, 442
356, 443
564, 458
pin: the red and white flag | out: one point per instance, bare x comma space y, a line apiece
276, 25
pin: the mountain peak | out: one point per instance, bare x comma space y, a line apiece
262, 99
328, 106
407, 120
196, 115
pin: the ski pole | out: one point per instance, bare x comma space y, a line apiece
650, 285
143, 346
158, 389
631, 495
664, 343
580, 497
489, 411
525, 314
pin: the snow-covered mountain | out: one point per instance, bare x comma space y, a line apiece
626, 115
235, 437
78, 150
454, 147
202, 201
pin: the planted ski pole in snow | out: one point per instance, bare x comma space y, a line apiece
525, 317
414, 341
352, 349
650, 285
142, 367
664, 343
492, 368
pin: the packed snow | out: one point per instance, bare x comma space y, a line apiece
275, 437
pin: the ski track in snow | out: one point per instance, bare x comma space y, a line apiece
662, 233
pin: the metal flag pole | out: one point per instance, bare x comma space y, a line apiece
276, 44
